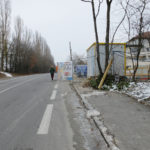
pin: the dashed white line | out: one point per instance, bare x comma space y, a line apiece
56, 86
44, 126
53, 96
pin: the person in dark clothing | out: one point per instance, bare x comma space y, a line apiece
52, 71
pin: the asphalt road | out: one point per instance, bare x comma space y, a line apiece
32, 115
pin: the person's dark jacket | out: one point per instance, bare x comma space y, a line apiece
52, 70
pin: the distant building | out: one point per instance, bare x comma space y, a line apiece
144, 58
122, 64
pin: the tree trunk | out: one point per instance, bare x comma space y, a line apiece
96, 37
107, 33
139, 48
2, 54
6, 55
2, 60
137, 58
6, 61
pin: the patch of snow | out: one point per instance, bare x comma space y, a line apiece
140, 90
114, 87
6, 74
92, 113
94, 93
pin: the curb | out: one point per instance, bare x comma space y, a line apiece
99, 123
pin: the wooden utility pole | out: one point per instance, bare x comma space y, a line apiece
105, 74
70, 51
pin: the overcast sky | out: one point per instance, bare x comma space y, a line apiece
61, 21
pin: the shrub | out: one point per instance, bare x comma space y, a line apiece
122, 84
109, 82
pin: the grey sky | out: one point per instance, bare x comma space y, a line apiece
61, 21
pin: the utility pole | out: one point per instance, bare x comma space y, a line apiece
71, 60
70, 51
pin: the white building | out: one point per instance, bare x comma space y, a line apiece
144, 58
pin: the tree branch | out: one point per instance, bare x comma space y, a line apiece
125, 12
86, 1
100, 2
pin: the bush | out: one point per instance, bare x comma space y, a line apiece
122, 84
109, 82
94, 82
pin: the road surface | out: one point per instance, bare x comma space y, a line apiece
33, 115
39, 114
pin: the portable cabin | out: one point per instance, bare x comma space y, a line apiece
117, 50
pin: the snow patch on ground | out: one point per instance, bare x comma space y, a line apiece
94, 93
6, 74
114, 87
92, 113
140, 90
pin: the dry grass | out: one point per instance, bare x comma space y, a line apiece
2, 76
86, 84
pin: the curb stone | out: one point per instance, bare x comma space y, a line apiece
99, 123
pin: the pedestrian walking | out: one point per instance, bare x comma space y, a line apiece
52, 71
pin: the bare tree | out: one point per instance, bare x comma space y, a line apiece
108, 2
78, 59
17, 39
95, 15
140, 26
138, 22
5, 12
30, 52
122, 19
27, 53
128, 30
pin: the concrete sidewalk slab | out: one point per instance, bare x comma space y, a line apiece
128, 120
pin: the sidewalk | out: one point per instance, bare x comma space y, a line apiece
126, 119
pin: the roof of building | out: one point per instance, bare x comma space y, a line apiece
94, 44
145, 35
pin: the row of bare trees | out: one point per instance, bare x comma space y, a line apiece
22, 51
135, 21
5, 12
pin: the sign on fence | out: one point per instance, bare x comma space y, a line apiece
65, 70
81, 70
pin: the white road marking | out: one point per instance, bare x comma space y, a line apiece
16, 85
56, 86
53, 96
44, 126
